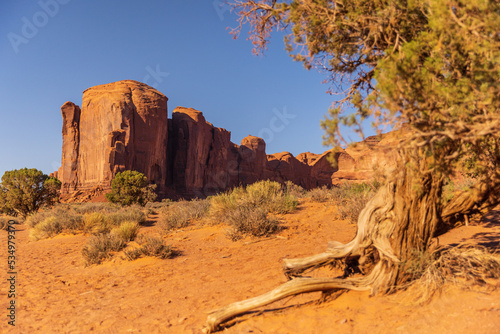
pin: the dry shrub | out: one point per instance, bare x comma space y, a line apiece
127, 231
99, 248
150, 246
180, 214
293, 190
133, 213
320, 195
84, 208
95, 223
249, 220
50, 227
463, 265
268, 195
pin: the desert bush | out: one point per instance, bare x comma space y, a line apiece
131, 187
180, 214
48, 228
294, 190
150, 246
99, 248
95, 223
268, 195
133, 213
25, 191
84, 208
250, 220
127, 230
322, 194
155, 206
350, 198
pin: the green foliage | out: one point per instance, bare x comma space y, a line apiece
24, 191
434, 65
131, 187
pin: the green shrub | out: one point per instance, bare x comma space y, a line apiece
150, 246
99, 248
131, 187
127, 231
25, 191
48, 228
180, 214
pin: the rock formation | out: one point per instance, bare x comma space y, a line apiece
124, 125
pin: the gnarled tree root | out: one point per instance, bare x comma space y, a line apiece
290, 288
381, 272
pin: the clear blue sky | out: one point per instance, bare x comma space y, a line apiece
51, 53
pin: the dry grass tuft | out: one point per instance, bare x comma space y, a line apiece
99, 248
150, 246
247, 210
464, 265
180, 214
127, 231
251, 221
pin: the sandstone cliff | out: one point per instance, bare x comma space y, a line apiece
124, 125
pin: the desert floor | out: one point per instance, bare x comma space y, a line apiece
58, 294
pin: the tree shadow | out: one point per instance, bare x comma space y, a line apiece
491, 219
490, 240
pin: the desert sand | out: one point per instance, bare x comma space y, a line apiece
58, 294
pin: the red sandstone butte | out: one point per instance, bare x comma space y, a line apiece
124, 125
121, 126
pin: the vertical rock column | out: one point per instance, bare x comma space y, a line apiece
71, 142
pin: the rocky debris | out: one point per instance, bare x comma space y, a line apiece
124, 126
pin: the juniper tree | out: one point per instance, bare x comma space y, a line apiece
433, 65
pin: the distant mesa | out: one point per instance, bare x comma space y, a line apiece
124, 125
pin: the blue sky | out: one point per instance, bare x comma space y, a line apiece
52, 50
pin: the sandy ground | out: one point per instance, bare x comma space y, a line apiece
58, 294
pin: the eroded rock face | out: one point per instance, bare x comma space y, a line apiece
71, 144
204, 158
124, 126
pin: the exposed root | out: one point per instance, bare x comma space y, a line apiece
290, 288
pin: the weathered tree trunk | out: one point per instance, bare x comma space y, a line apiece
397, 225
